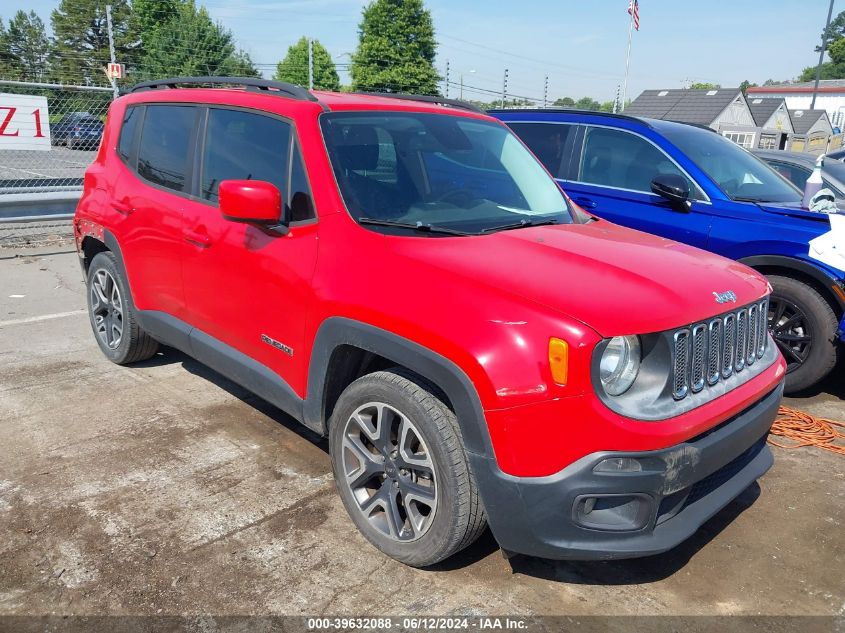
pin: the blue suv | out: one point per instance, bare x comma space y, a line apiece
690, 184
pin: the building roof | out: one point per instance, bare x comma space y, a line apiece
803, 120
763, 109
825, 85
687, 106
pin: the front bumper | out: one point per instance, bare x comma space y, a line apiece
582, 514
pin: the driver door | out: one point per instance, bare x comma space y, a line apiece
245, 286
613, 170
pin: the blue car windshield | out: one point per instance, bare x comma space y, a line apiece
452, 172
738, 173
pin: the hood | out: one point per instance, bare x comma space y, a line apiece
613, 279
794, 209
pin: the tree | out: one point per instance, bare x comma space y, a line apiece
745, 85
835, 31
149, 15
27, 46
294, 67
587, 103
834, 69
81, 49
396, 48
565, 102
704, 86
192, 44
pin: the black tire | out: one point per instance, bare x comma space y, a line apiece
805, 331
458, 517
134, 344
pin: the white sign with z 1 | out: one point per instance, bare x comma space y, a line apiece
24, 122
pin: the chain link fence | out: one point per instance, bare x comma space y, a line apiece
52, 133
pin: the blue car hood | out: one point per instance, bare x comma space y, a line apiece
792, 209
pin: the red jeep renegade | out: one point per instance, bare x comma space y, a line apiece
401, 274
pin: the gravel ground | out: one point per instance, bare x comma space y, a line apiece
164, 489
17, 238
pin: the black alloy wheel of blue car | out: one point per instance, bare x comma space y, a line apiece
803, 326
790, 330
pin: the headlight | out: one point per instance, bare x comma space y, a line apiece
620, 363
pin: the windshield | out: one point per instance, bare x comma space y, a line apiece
738, 173
438, 170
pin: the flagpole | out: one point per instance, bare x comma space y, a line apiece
627, 59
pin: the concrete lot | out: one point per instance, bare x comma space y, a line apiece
163, 488
59, 162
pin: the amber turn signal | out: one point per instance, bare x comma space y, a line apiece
559, 360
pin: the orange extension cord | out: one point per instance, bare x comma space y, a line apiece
803, 429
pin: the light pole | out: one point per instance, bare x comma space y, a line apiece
469, 72
821, 56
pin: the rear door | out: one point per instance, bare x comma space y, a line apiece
248, 287
610, 174
148, 199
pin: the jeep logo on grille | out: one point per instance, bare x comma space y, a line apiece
724, 297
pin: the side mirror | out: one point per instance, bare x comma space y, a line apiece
253, 201
673, 188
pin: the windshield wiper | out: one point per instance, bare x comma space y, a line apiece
416, 226
751, 199
518, 225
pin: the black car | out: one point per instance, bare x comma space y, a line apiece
77, 130
796, 167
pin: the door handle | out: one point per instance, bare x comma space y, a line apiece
585, 203
198, 237
122, 208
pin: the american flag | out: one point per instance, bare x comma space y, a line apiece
634, 10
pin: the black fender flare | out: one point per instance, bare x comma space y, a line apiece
338, 331
797, 265
112, 244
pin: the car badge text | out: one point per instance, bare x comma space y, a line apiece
724, 297
279, 346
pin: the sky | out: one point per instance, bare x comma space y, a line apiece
579, 44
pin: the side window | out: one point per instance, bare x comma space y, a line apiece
613, 158
127, 133
244, 146
793, 173
301, 206
164, 148
547, 141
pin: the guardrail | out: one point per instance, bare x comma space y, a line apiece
38, 206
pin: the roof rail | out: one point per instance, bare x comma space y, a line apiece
455, 103
628, 117
288, 90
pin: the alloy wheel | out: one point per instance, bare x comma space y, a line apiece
791, 331
389, 471
106, 309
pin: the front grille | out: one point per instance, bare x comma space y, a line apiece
705, 353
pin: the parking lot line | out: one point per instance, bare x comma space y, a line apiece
41, 317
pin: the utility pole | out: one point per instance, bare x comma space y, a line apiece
310, 64
111, 49
628, 58
546, 91
821, 56
616, 100
447, 79
505, 88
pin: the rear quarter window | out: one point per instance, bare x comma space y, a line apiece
164, 148
127, 133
